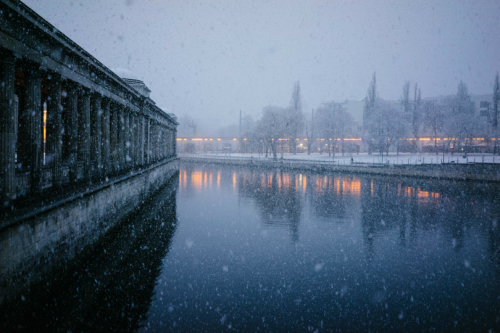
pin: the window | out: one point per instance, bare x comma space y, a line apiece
484, 104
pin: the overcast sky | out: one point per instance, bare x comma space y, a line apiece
210, 59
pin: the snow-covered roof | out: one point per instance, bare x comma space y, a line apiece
125, 73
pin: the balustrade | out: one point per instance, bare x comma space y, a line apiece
59, 133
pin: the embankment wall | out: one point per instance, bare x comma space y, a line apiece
34, 243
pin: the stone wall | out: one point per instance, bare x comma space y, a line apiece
31, 248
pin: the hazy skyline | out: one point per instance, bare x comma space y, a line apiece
210, 59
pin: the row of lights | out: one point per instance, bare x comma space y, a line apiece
349, 139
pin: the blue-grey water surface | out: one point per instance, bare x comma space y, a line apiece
226, 249
278, 251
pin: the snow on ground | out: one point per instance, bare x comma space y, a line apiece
393, 158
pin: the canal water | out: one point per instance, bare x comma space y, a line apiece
249, 250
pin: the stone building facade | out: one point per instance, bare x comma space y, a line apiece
65, 118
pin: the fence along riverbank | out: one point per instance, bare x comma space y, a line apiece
483, 172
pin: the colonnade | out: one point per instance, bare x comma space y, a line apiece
55, 132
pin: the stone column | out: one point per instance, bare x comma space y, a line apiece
132, 139
137, 140
85, 135
169, 142
121, 138
114, 130
174, 139
72, 109
163, 141
95, 133
54, 127
147, 127
106, 162
127, 139
156, 141
153, 141
34, 114
141, 139
7, 127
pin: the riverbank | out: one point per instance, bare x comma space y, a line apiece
482, 172
38, 238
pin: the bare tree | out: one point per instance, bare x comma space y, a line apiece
327, 127
369, 108
405, 99
187, 126
385, 126
344, 126
296, 123
416, 116
433, 120
270, 128
310, 132
371, 98
461, 122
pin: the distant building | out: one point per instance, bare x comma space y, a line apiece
482, 103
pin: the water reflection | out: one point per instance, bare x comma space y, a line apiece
268, 250
305, 251
110, 288
276, 196
383, 204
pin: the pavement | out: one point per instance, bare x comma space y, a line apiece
392, 158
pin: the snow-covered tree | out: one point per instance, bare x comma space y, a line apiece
271, 127
326, 118
405, 99
416, 119
370, 105
371, 98
462, 122
344, 125
385, 126
433, 119
296, 121
310, 128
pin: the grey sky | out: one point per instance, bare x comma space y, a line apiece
211, 59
